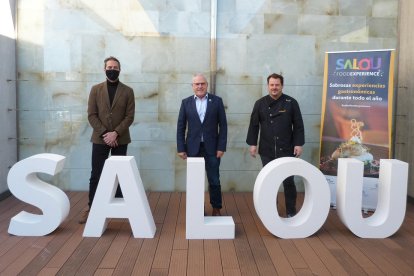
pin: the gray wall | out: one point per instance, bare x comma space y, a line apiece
161, 44
404, 148
8, 148
231, 26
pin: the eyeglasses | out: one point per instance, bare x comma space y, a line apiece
199, 83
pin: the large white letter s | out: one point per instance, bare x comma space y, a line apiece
24, 184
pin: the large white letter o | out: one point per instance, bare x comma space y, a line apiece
315, 207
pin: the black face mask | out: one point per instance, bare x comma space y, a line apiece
112, 75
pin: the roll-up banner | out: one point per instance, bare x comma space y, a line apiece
356, 118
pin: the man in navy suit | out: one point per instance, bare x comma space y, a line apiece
204, 118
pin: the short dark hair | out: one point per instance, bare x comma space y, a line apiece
114, 59
275, 76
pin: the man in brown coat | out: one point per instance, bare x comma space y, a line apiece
111, 109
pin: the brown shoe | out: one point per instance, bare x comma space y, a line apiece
84, 217
216, 212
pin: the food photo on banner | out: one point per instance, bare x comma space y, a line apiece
356, 117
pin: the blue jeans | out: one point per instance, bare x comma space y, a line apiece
212, 165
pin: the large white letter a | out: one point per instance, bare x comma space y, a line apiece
134, 205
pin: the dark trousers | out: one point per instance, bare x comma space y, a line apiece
100, 153
212, 165
289, 188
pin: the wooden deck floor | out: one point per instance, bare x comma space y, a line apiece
333, 250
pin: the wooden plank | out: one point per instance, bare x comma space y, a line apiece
228, 255
231, 207
128, 257
48, 272
93, 259
333, 250
59, 237
231, 272
26, 256
163, 254
180, 242
334, 267
212, 257
348, 263
314, 263
292, 254
159, 272
278, 257
9, 207
161, 209
153, 199
383, 261
9, 243
402, 238
340, 255
5, 243
182, 213
146, 255
195, 262
261, 256
178, 262
326, 238
344, 238
16, 251
244, 253
63, 254
391, 244
71, 266
118, 245
70, 245
303, 272
369, 250
103, 272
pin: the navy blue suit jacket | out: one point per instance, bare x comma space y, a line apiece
213, 128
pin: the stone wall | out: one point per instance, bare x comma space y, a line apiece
161, 44
404, 131
8, 149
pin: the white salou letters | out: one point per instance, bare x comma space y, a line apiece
392, 197
315, 207
134, 205
387, 219
198, 226
24, 184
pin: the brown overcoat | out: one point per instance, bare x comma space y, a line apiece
105, 118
